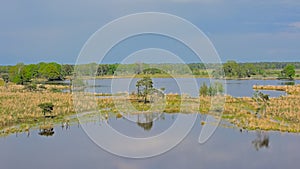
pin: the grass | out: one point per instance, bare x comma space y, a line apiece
19, 109
290, 89
282, 113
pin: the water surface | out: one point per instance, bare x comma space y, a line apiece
236, 88
228, 148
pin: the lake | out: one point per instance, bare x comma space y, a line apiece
228, 147
236, 88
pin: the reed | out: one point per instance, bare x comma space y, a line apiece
19, 107
282, 113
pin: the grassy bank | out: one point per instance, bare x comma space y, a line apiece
19, 107
19, 110
280, 114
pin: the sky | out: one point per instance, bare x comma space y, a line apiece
33, 31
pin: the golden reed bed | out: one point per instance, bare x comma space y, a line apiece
19, 107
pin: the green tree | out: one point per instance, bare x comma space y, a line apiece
50, 71
231, 68
29, 72
250, 69
16, 73
144, 86
102, 69
289, 71
67, 70
112, 69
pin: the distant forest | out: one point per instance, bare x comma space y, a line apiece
21, 73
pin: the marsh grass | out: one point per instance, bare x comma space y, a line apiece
19, 106
19, 109
282, 113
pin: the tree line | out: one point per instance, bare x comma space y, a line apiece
232, 69
21, 73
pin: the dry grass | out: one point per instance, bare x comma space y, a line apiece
294, 90
282, 113
18, 106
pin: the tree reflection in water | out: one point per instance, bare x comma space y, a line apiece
146, 126
145, 120
262, 140
46, 131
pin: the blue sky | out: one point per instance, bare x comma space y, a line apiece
244, 30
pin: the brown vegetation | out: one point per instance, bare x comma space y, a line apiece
282, 113
19, 107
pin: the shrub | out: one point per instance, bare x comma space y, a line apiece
219, 88
46, 107
214, 89
203, 90
5, 78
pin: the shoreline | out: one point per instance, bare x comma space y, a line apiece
238, 111
190, 76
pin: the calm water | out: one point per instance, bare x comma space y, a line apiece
228, 148
236, 88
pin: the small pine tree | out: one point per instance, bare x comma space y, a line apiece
144, 86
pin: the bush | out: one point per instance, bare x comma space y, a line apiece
4, 81
215, 89
46, 107
219, 88
5, 78
203, 90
